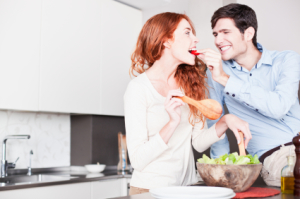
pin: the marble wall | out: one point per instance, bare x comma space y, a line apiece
50, 138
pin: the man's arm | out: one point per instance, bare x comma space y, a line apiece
276, 103
215, 91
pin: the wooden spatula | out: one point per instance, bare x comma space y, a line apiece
242, 144
210, 108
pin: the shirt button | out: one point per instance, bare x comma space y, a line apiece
233, 95
256, 109
250, 74
227, 93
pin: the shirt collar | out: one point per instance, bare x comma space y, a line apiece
265, 59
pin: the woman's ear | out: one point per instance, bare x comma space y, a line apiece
249, 33
167, 43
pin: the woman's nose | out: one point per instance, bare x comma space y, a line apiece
196, 40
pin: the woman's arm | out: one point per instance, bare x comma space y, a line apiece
142, 149
172, 106
202, 139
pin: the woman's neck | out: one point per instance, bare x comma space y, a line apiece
163, 69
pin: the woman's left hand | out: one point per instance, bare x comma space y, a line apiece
236, 124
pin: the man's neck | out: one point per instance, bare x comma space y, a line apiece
250, 58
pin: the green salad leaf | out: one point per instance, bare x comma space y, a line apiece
232, 158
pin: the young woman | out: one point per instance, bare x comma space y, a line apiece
161, 129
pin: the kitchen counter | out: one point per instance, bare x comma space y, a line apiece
148, 196
64, 175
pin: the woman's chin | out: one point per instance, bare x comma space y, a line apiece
191, 63
188, 61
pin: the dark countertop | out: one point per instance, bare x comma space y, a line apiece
71, 177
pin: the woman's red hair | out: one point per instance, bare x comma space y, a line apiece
149, 48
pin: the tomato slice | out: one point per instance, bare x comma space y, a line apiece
194, 52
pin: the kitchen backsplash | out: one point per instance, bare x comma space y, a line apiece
50, 138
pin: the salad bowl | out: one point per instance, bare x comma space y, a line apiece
238, 177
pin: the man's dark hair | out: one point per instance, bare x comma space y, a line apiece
242, 15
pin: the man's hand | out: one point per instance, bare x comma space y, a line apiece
213, 61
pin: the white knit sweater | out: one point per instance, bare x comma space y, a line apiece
155, 163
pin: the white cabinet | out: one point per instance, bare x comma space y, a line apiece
74, 191
109, 188
20, 23
69, 56
87, 190
122, 25
85, 55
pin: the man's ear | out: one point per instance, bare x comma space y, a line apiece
249, 33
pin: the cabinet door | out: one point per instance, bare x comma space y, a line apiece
121, 26
74, 191
109, 188
70, 56
20, 23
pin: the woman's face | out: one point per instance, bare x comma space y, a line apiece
183, 40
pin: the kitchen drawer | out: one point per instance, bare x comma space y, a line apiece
74, 191
109, 188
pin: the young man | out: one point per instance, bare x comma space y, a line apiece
257, 85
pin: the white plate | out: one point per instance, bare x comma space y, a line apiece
191, 192
225, 197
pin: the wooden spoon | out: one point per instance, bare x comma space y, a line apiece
242, 144
210, 108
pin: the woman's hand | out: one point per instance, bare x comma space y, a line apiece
236, 125
172, 106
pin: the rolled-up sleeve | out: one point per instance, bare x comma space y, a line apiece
216, 92
272, 103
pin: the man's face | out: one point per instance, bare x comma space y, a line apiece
228, 39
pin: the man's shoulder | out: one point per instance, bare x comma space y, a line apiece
283, 55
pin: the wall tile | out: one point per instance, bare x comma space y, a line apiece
50, 138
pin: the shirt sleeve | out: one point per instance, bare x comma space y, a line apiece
216, 92
141, 149
276, 103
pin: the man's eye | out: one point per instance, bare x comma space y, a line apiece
226, 32
187, 33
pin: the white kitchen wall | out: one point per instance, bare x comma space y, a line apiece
278, 23
50, 138
179, 6
278, 20
200, 13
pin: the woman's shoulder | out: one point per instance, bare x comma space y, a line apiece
138, 82
137, 85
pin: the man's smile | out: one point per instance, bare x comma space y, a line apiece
223, 49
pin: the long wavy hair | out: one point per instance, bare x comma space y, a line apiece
149, 48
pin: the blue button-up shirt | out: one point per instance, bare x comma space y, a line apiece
266, 97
